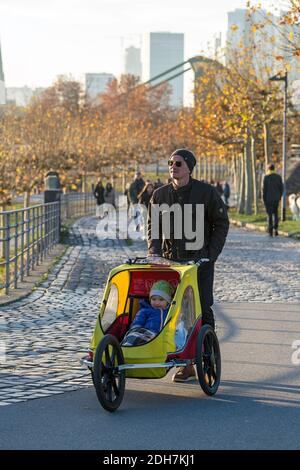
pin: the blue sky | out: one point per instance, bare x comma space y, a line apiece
43, 38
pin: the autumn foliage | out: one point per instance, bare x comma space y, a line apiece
62, 130
237, 117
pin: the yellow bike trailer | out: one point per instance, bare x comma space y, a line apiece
182, 340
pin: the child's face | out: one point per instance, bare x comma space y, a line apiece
158, 302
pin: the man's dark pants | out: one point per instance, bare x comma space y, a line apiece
272, 211
205, 285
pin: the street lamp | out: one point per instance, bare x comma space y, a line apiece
283, 78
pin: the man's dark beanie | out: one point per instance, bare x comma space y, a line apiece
188, 157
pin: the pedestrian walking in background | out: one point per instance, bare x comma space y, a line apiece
186, 191
272, 193
226, 192
145, 195
219, 188
99, 195
136, 187
110, 195
158, 183
126, 193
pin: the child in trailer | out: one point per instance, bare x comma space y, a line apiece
150, 319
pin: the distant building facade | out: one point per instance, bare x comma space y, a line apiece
21, 96
133, 64
160, 52
96, 83
216, 48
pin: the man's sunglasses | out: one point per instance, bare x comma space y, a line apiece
177, 163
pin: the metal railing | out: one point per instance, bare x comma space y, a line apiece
77, 204
28, 235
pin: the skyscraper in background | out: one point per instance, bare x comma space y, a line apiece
2, 83
215, 48
96, 83
160, 52
133, 64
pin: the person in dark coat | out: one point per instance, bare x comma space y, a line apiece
219, 188
158, 183
99, 195
145, 196
110, 195
226, 192
185, 190
136, 187
126, 193
272, 193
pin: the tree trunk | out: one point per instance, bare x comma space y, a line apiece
260, 181
209, 170
112, 178
267, 144
2, 232
214, 169
26, 199
234, 172
248, 178
84, 182
205, 168
254, 174
241, 191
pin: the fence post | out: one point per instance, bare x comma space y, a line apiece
2, 234
33, 239
16, 250
58, 216
27, 237
7, 252
66, 198
22, 246
85, 203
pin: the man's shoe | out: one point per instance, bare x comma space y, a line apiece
206, 379
276, 233
185, 374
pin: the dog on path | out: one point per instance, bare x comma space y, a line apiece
294, 202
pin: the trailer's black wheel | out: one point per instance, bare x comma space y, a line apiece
208, 360
108, 381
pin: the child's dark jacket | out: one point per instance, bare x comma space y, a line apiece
149, 317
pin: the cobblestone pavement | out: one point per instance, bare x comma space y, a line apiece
256, 268
48, 332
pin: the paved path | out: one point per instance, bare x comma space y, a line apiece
257, 405
255, 268
48, 332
